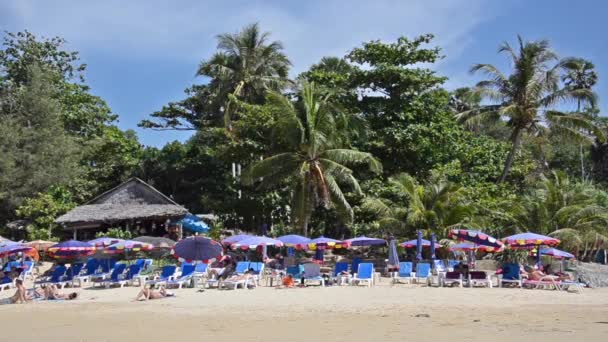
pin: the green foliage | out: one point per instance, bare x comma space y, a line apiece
516, 256
116, 233
42, 210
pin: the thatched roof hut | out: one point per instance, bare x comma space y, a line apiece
133, 200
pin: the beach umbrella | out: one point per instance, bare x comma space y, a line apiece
13, 248
255, 241
157, 242
393, 257
235, 238
40, 245
194, 224
433, 242
476, 237
530, 241
556, 253
414, 243
7, 242
364, 241
325, 242
419, 246
197, 248
128, 246
469, 246
71, 249
294, 240
105, 241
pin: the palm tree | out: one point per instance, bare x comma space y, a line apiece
580, 74
576, 212
314, 161
527, 97
435, 205
246, 66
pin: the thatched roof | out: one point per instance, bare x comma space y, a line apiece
131, 200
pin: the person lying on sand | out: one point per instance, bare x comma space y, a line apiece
147, 294
51, 292
18, 297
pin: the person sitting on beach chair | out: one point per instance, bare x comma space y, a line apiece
148, 293
19, 296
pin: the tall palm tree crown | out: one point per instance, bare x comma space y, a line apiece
247, 65
314, 158
527, 98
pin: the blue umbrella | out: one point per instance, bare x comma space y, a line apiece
393, 257
433, 238
419, 246
364, 241
13, 248
197, 248
194, 224
294, 240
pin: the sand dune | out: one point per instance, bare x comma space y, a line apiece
338, 313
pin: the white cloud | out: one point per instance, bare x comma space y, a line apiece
185, 30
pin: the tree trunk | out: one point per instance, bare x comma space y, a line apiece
304, 224
511, 156
582, 163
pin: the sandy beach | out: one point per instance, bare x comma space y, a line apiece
404, 312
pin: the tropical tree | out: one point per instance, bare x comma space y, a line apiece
434, 205
576, 212
580, 74
314, 159
246, 66
527, 97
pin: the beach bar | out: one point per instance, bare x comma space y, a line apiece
133, 205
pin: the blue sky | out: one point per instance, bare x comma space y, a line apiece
143, 54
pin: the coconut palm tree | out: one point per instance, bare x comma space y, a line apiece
314, 161
580, 74
435, 205
247, 65
527, 97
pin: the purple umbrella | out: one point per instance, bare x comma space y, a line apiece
13, 248
414, 243
323, 241
556, 253
419, 246
530, 241
235, 238
364, 241
197, 248
71, 249
104, 241
255, 241
433, 242
475, 236
469, 246
294, 240
393, 257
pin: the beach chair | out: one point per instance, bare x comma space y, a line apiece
117, 277
452, 278
439, 266
423, 271
106, 266
186, 276
10, 265
147, 264
167, 273
568, 284
355, 265
55, 277
341, 275
510, 275
258, 271
72, 272
200, 273
477, 278
7, 286
28, 270
312, 273
365, 273
452, 264
405, 273
90, 268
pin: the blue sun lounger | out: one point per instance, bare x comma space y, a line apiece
167, 273
405, 272
423, 272
120, 278
365, 273
115, 275
186, 276
55, 278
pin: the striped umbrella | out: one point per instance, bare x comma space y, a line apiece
105, 241
13, 248
235, 238
128, 246
71, 249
